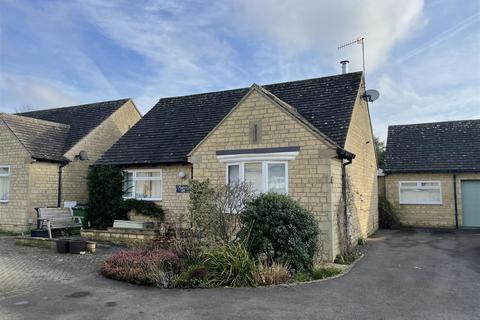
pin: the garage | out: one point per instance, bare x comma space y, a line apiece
471, 203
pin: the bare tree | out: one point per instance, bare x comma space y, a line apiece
215, 211
25, 108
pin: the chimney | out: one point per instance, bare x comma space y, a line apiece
344, 66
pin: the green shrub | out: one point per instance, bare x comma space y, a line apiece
277, 227
388, 214
323, 273
347, 257
229, 265
193, 277
302, 277
105, 194
276, 273
147, 208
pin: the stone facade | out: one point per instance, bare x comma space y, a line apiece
34, 183
431, 215
312, 176
99, 140
362, 172
14, 213
174, 204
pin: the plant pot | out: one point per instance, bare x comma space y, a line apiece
63, 245
77, 246
91, 246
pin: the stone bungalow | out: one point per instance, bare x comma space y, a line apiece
45, 155
294, 138
433, 173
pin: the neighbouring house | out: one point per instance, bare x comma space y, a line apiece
45, 155
293, 138
433, 173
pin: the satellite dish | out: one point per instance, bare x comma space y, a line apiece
371, 95
83, 155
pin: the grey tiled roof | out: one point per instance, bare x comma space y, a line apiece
82, 118
452, 146
174, 126
44, 140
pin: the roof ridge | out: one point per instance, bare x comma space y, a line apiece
437, 122
72, 106
261, 85
34, 120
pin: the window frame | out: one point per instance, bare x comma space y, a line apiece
8, 183
419, 186
265, 163
135, 179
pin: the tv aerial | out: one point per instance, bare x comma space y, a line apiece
371, 94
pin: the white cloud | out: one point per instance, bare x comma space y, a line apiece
41, 93
322, 25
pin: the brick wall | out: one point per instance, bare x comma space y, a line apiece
441, 215
309, 174
100, 139
14, 214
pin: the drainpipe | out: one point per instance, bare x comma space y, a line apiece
455, 199
345, 155
59, 198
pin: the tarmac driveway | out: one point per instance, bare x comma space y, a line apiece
404, 275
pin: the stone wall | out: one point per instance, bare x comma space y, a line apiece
309, 174
441, 215
362, 172
174, 204
43, 187
99, 140
128, 237
14, 214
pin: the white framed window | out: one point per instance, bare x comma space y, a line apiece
264, 176
143, 184
420, 192
4, 183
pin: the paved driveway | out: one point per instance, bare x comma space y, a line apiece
404, 275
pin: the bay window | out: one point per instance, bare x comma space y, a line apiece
143, 184
264, 176
4, 183
420, 192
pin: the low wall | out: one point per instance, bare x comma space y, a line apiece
120, 236
36, 242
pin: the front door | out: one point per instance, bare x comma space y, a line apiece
471, 203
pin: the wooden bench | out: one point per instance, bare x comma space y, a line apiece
57, 218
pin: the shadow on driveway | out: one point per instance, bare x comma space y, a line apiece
412, 274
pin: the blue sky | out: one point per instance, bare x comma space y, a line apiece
423, 56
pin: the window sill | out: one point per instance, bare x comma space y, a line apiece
421, 204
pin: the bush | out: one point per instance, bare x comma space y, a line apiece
193, 277
323, 273
276, 273
105, 194
213, 210
147, 208
154, 267
277, 227
388, 214
348, 257
229, 265
187, 249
